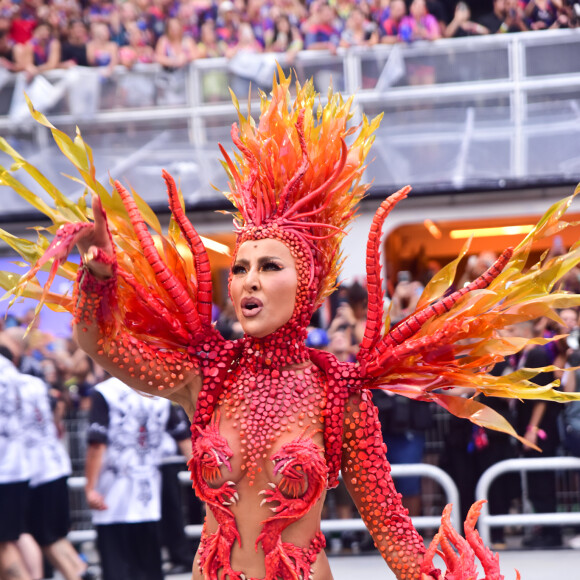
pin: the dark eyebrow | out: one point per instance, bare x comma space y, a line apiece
265, 259
261, 261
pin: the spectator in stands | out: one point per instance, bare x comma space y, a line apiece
350, 318
462, 25
102, 52
338, 501
571, 413
405, 296
209, 45
122, 17
515, 20
7, 48
568, 15
14, 469
507, 16
50, 13
423, 25
174, 50
257, 14
441, 10
296, 10
243, 66
42, 52
284, 37
228, 23
541, 14
123, 479
214, 82
358, 31
391, 26
74, 48
247, 43
24, 20
190, 20
322, 30
137, 50
537, 422
493, 20
100, 11
476, 266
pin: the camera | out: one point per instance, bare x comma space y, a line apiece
404, 276
573, 339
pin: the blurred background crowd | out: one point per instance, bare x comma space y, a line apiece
37, 36
414, 432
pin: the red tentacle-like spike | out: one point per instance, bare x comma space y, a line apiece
329, 198
330, 181
155, 305
202, 265
457, 553
380, 363
411, 325
489, 560
245, 188
167, 279
297, 178
374, 284
231, 166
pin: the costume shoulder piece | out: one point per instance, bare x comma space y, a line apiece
163, 281
453, 339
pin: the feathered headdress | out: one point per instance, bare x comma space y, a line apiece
296, 177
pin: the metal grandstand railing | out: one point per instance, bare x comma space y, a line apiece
465, 113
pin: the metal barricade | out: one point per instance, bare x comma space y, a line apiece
336, 525
522, 465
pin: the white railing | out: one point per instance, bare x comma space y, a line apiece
486, 521
459, 113
334, 525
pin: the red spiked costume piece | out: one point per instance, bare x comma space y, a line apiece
274, 422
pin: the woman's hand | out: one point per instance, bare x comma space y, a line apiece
96, 248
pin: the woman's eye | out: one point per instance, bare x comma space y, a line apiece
271, 266
237, 269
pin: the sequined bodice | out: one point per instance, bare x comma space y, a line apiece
264, 445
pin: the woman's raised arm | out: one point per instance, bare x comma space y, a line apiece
140, 364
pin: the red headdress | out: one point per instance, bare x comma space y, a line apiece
296, 179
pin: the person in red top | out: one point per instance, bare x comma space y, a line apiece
42, 52
322, 32
24, 21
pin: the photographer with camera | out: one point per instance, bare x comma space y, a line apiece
405, 296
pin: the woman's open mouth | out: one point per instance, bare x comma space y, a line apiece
251, 307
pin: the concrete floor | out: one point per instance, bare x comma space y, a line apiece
561, 564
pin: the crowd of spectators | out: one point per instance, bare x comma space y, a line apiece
37, 36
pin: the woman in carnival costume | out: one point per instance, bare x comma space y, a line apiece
273, 422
